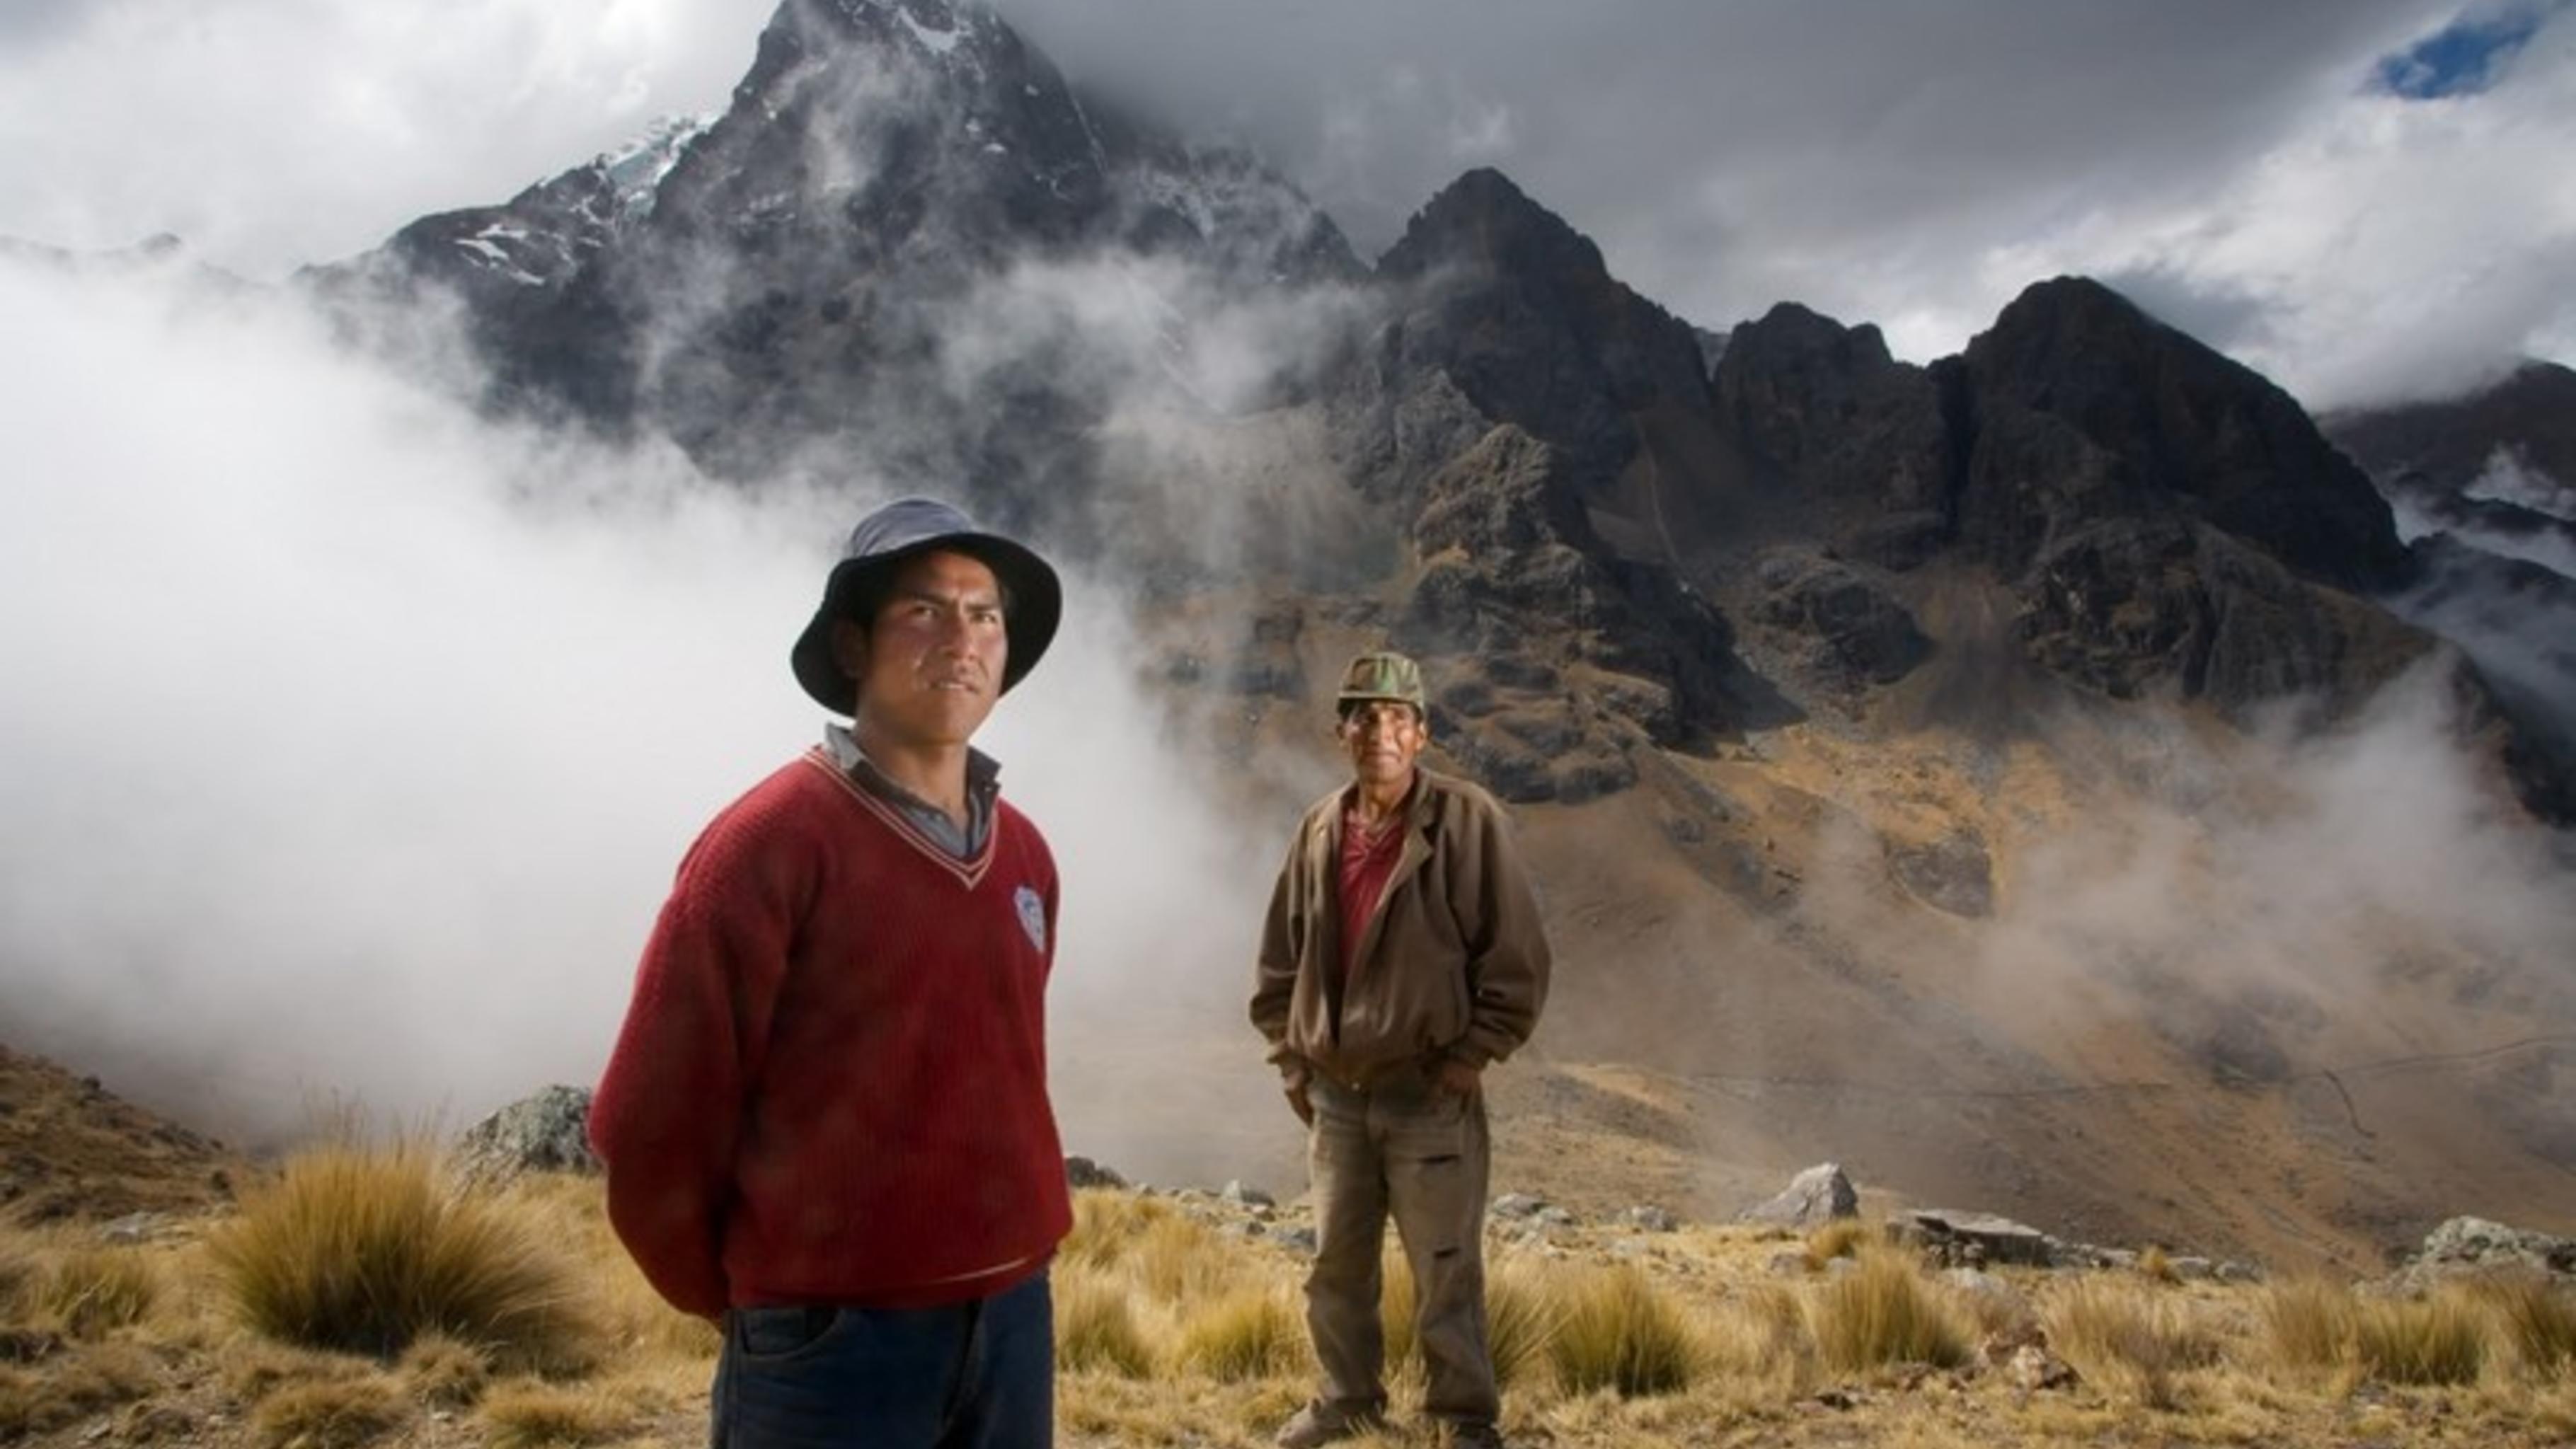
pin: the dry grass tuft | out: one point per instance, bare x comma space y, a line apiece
623, 1307
1838, 1238
2308, 1323
330, 1413
66, 1391
2156, 1266
1095, 1327
365, 1251
1884, 1312
527, 1415
1251, 1333
1179, 1260
1756, 1334
1106, 1224
1616, 1330
90, 1291
1521, 1321
2440, 1339
1522, 1311
2117, 1334
2539, 1319
18, 1272
444, 1373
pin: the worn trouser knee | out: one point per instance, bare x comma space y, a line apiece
1423, 1158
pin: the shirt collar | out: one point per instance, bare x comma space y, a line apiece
983, 772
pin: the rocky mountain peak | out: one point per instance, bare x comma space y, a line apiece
1483, 222
2182, 420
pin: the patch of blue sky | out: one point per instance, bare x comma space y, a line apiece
2470, 54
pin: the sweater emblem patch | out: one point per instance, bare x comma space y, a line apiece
1032, 916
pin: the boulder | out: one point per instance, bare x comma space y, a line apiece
1817, 1195
1968, 1239
1083, 1172
546, 1132
2472, 1247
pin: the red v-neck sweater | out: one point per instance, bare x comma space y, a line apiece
831, 1084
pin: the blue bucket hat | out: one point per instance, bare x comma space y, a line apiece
905, 529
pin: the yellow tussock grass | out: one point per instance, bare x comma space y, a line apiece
365, 1251
1251, 1333
67, 1390
1838, 1238
1096, 1328
2117, 1333
2308, 1323
526, 1415
1884, 1312
444, 1373
89, 1291
330, 1414
2539, 1320
1616, 1330
2438, 1339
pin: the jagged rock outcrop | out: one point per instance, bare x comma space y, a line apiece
1505, 314
2441, 449
1860, 434
548, 1131
1549, 655
2154, 416
2127, 606
2469, 1247
1815, 1196
826, 265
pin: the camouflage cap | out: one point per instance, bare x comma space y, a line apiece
1383, 674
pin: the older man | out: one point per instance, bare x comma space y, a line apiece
826, 1121
1402, 956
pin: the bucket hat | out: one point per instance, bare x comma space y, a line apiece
905, 529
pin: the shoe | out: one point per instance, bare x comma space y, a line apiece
1471, 1434
1319, 1424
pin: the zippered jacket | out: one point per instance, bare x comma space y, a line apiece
1453, 963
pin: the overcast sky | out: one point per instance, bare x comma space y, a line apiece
329, 761
2365, 198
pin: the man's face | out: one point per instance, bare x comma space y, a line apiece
929, 665
1382, 736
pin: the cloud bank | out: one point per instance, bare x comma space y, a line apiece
2267, 172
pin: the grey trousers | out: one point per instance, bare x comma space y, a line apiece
1400, 1148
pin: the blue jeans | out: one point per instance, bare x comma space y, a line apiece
977, 1375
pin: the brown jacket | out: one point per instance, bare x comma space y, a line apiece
1453, 962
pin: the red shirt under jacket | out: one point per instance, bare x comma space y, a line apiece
1368, 862
831, 1084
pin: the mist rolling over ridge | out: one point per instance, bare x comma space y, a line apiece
2013, 752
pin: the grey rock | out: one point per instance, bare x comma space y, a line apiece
1817, 1195
1651, 1218
142, 1227
1239, 1191
2471, 1246
546, 1132
1952, 874
1516, 1205
1083, 1172
1970, 1239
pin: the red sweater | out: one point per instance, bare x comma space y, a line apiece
831, 1084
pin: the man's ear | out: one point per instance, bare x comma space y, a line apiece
850, 648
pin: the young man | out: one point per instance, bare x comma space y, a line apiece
1402, 956
826, 1122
